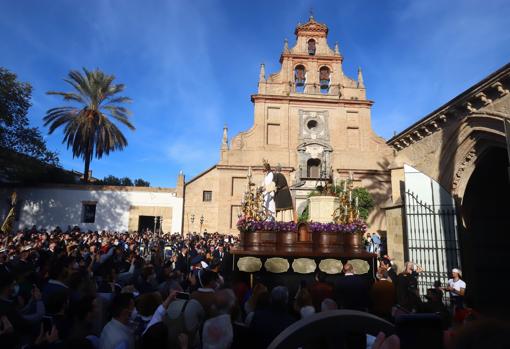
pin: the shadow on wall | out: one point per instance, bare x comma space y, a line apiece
380, 189
112, 210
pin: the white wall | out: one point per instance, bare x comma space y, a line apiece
49, 207
425, 188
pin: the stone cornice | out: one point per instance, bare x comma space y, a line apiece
254, 168
469, 102
318, 99
317, 58
362, 172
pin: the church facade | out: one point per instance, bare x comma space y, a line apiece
310, 119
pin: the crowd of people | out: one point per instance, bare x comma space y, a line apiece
109, 290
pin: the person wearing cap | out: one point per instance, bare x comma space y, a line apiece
456, 287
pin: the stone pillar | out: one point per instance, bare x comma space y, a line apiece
395, 221
395, 216
179, 188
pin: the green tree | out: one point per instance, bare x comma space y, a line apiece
88, 125
126, 181
15, 131
141, 183
110, 180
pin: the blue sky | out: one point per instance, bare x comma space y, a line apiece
191, 66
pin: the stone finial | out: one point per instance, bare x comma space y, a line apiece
262, 74
361, 84
286, 46
224, 140
337, 48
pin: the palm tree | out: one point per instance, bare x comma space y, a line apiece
88, 126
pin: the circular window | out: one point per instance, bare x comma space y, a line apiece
312, 124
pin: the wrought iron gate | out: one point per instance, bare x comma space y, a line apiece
431, 240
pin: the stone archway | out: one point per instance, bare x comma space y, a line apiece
485, 211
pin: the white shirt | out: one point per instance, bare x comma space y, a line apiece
456, 285
116, 335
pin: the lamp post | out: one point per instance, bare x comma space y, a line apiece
192, 220
155, 223
201, 223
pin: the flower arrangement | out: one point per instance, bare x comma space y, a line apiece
248, 225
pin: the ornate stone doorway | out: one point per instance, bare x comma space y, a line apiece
484, 238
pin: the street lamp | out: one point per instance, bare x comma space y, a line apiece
201, 223
192, 220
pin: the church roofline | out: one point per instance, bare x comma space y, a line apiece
200, 174
94, 187
311, 28
462, 103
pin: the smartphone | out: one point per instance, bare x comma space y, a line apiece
47, 322
182, 295
418, 331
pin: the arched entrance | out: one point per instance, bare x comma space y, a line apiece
486, 231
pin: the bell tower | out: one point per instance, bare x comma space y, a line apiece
310, 118
311, 68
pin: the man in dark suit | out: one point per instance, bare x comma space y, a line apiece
182, 263
352, 291
385, 264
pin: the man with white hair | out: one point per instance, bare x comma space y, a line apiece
456, 287
218, 333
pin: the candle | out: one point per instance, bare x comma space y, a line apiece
350, 175
249, 171
357, 202
345, 210
350, 197
345, 185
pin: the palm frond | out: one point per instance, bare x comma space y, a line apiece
90, 131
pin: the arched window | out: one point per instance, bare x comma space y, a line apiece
311, 47
313, 167
324, 74
300, 78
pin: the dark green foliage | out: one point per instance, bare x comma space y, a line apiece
89, 129
126, 181
141, 183
22, 169
15, 132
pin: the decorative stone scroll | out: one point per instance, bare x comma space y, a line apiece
249, 264
304, 265
276, 265
331, 266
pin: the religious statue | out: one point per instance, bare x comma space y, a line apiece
269, 191
283, 199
